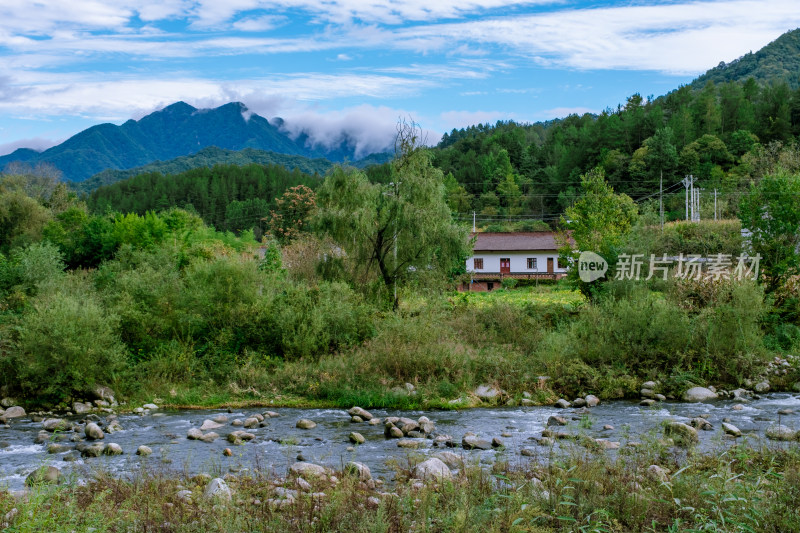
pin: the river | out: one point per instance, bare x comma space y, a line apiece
278, 444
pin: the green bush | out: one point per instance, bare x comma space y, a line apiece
66, 344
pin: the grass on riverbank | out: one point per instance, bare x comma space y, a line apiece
742, 489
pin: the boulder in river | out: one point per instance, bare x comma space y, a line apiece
471, 442
81, 408
357, 438
93, 431
592, 400
144, 450
46, 475
699, 394
305, 423
562, 404
359, 412
556, 421
15, 411
112, 448
730, 429
682, 433
780, 432
432, 469
56, 424
211, 424
194, 434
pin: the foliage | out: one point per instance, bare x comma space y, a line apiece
66, 342
772, 214
597, 222
392, 230
292, 214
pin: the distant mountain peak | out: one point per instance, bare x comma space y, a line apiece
177, 130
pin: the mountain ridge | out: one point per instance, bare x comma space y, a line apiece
174, 131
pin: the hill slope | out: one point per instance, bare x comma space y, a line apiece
177, 130
778, 61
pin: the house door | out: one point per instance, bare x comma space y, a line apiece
549, 265
505, 265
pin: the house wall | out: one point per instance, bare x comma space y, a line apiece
519, 261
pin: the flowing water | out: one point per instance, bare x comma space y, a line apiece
279, 443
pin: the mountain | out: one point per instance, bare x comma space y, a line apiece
175, 131
777, 61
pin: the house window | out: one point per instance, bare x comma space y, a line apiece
489, 286
478, 263
531, 263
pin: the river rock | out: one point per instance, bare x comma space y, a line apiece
556, 421
562, 404
218, 490
112, 448
194, 434
362, 413
93, 431
701, 423
271, 414
46, 475
471, 442
150, 406
784, 412
55, 447
647, 393
657, 473
738, 407
682, 433
699, 394
80, 408
578, 402
305, 423
647, 402
56, 424
144, 451
113, 427
357, 438
486, 392
432, 469
307, 470
592, 400
607, 444
104, 393
730, 429
393, 431
409, 443
252, 422
15, 411
42, 437
208, 425
780, 432
358, 469
649, 385
93, 450
356, 419
219, 419
545, 441
410, 426
762, 387
452, 460
528, 452
210, 437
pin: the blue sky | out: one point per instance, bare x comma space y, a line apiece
357, 65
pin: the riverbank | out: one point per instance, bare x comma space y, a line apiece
742, 489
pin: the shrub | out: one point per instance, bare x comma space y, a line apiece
66, 343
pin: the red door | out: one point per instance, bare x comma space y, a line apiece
505, 265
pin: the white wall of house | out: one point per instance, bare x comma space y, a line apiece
519, 261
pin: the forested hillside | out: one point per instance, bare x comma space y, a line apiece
228, 197
723, 134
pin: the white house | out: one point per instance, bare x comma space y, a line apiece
524, 255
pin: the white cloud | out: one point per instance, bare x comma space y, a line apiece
680, 38
264, 23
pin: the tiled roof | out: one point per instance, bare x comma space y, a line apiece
512, 242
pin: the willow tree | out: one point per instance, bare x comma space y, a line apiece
395, 229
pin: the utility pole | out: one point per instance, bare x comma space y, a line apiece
715, 204
661, 199
473, 222
688, 181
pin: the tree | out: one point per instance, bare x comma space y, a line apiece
292, 213
771, 211
393, 230
597, 222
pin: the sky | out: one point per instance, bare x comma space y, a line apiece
357, 66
